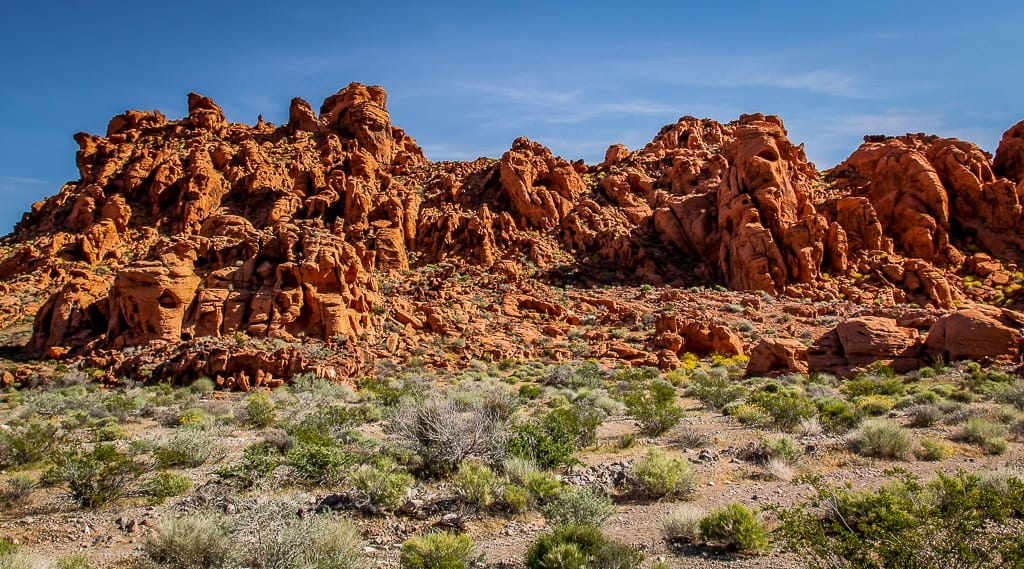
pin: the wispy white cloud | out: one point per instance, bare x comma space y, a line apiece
549, 105
540, 97
740, 72
18, 181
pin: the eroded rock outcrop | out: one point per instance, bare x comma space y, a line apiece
864, 340
976, 332
184, 230
777, 355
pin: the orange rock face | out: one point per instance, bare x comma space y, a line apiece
336, 227
977, 333
774, 355
1009, 160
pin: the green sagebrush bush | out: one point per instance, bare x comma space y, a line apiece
578, 506
734, 528
653, 405
955, 520
787, 406
580, 547
166, 484
879, 438
98, 476
441, 550
657, 476
383, 484
714, 388
552, 439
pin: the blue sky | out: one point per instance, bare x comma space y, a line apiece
466, 78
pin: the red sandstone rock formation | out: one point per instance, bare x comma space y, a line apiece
180, 230
775, 355
976, 332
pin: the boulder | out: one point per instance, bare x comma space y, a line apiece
777, 355
877, 337
861, 341
976, 332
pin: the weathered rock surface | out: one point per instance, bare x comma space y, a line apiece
774, 355
976, 332
1009, 160
861, 341
335, 226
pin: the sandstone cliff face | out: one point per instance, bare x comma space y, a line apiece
180, 230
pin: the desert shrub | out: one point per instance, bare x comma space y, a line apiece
890, 386
325, 425
279, 439
202, 386
514, 498
682, 525
809, 427
445, 430
578, 421
476, 484
318, 463
1002, 481
28, 442
778, 469
272, 535
787, 406
384, 484
653, 405
656, 475
951, 521
542, 486
23, 560
73, 562
166, 484
932, 450
986, 381
924, 415
188, 447
16, 490
7, 547
1013, 394
874, 405
100, 475
689, 437
258, 462
734, 528
335, 544
441, 550
578, 506
530, 391
782, 448
110, 432
575, 375
192, 541
545, 442
580, 547
260, 410
517, 468
836, 415
713, 388
878, 438
990, 436
751, 415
